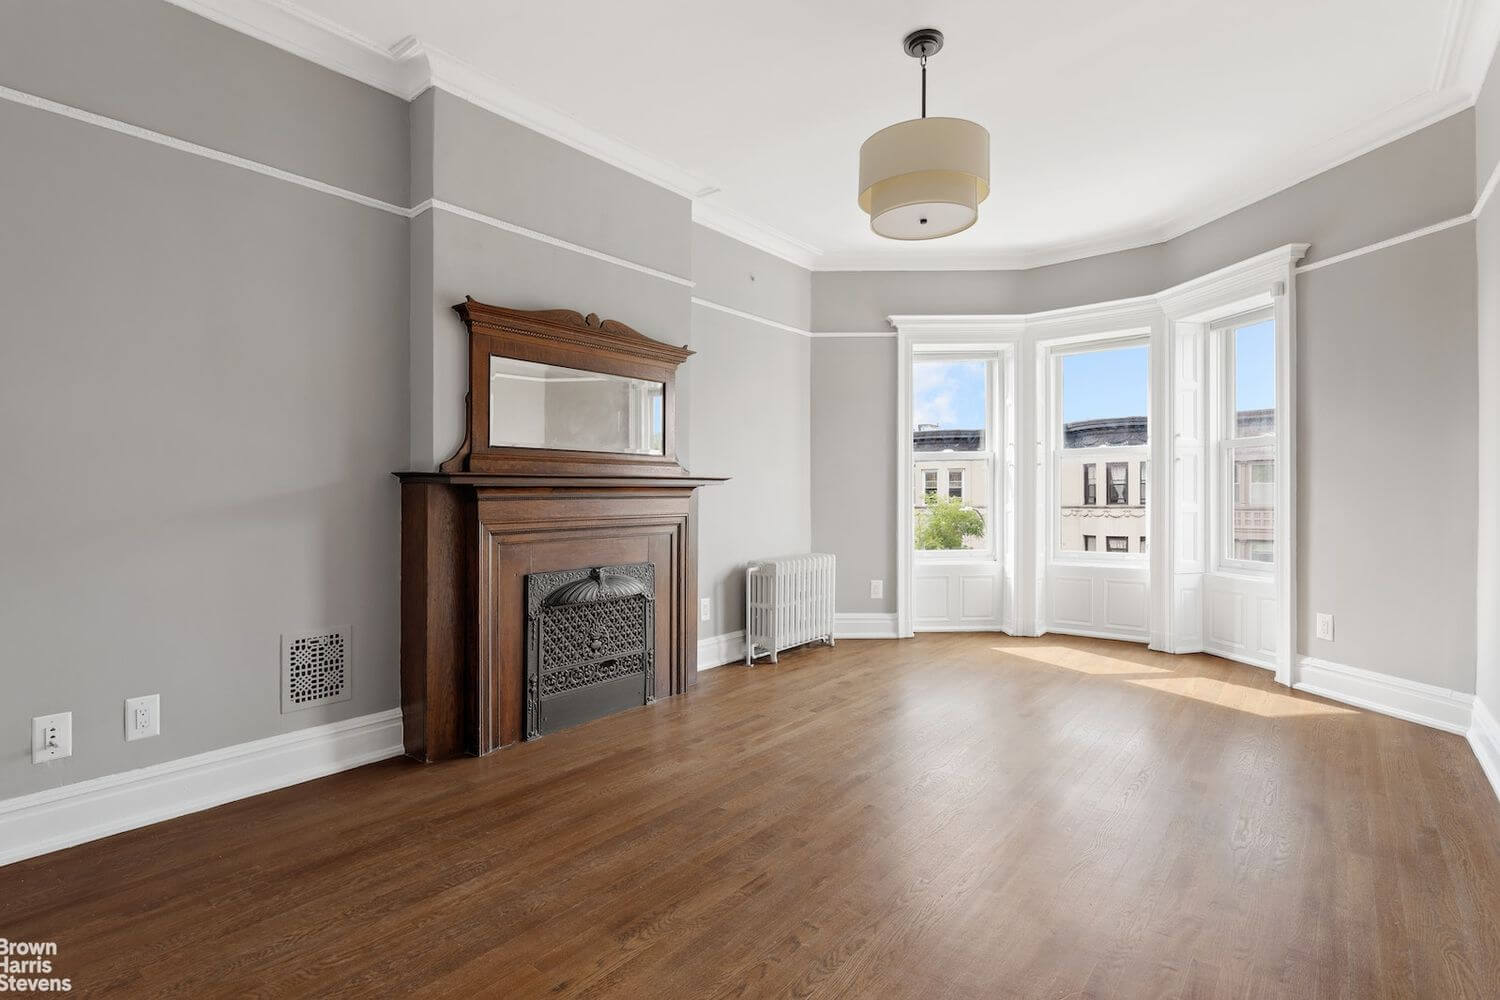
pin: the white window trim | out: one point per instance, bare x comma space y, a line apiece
1265, 278
990, 338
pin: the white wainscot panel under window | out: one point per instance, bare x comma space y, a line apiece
1241, 618
1100, 600
930, 597
977, 597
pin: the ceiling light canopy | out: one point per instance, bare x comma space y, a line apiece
924, 178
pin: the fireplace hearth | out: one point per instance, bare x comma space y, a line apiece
590, 644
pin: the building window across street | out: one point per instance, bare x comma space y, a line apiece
1117, 543
1118, 482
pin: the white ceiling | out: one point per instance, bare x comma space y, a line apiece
1113, 123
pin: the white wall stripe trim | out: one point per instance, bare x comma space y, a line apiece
1489, 189
277, 173
532, 234
775, 325
208, 153
312, 184
1415, 234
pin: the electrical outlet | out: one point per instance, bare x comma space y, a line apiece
1325, 627
705, 608
142, 717
877, 588
51, 737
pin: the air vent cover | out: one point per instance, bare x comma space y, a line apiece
314, 669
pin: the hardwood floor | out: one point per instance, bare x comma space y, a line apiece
951, 816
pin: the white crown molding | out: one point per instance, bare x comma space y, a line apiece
1484, 738
316, 39
411, 67
738, 227
87, 810
1469, 40
1425, 704
717, 650
425, 66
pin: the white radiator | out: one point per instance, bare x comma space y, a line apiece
788, 601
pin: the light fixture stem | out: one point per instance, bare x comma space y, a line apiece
924, 86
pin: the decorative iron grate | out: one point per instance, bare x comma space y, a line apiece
590, 644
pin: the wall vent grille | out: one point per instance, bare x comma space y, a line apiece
314, 669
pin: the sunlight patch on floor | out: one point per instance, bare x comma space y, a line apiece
1268, 704
1081, 660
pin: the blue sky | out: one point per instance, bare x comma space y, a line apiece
1105, 383
1254, 365
1109, 383
948, 393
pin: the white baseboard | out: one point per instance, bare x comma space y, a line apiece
1413, 701
1140, 638
864, 625
1484, 737
87, 810
1249, 659
717, 650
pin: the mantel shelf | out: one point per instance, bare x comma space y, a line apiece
644, 481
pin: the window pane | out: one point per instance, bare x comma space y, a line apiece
950, 405
1116, 543
1082, 515
1255, 379
951, 520
1252, 535
1119, 486
1104, 397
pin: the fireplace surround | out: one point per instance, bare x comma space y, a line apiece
498, 524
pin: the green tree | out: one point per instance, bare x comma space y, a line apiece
946, 523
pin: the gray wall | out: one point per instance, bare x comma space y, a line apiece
492, 166
854, 465
224, 368
202, 380
751, 387
1487, 238
1387, 350
1385, 459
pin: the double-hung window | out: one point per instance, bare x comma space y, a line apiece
1247, 442
1101, 444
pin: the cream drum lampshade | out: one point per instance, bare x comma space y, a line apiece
924, 178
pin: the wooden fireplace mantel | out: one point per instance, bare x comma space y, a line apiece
473, 531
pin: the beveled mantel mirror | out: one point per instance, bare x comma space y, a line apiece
554, 392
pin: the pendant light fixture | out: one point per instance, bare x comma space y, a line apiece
924, 178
